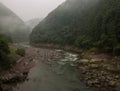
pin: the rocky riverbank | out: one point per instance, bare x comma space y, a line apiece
19, 72
100, 70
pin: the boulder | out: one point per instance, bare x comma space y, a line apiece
84, 61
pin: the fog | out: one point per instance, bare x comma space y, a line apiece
29, 9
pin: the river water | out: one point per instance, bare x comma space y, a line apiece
58, 75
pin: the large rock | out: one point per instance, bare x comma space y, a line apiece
84, 61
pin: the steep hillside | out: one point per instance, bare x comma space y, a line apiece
12, 25
82, 23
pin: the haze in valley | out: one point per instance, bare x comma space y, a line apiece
29, 9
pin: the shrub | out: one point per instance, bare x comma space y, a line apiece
4, 46
5, 61
117, 49
93, 49
20, 52
13, 52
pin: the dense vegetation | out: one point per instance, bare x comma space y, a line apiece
83, 23
11, 25
5, 61
20, 52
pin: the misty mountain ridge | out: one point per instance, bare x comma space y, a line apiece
11, 24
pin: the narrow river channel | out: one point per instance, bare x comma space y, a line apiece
58, 75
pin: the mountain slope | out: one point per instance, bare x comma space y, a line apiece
33, 22
82, 23
11, 24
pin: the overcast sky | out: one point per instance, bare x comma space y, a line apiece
29, 9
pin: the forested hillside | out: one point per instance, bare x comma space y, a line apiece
83, 23
11, 25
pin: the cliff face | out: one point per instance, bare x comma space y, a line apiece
11, 24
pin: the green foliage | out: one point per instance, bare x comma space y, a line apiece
94, 49
82, 23
117, 49
20, 52
5, 61
6, 38
13, 52
4, 45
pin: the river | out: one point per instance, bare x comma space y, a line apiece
57, 75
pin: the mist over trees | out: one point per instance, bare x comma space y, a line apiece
12, 29
33, 22
11, 25
82, 23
